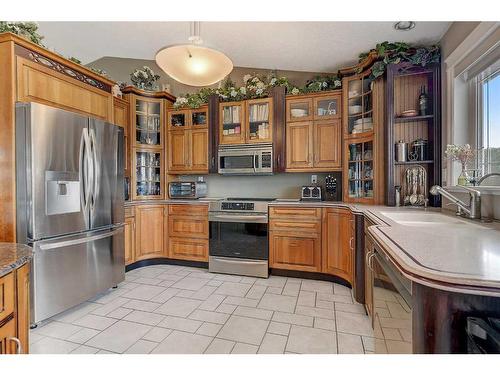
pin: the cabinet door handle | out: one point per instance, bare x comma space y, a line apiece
19, 348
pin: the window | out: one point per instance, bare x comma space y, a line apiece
488, 129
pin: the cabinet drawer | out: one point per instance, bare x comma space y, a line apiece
188, 209
311, 228
294, 253
188, 249
295, 213
182, 226
6, 295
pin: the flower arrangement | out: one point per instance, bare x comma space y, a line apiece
145, 78
463, 154
255, 86
394, 53
27, 30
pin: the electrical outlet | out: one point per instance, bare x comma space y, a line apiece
314, 179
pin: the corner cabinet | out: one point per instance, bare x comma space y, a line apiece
338, 243
149, 236
363, 117
147, 115
187, 146
314, 133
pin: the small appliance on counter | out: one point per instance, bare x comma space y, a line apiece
187, 189
331, 189
311, 193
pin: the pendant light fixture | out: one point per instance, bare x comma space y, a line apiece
192, 63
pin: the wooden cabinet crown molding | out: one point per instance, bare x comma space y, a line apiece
149, 94
24, 46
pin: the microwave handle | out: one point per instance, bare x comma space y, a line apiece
255, 161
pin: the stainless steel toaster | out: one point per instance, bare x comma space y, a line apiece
311, 193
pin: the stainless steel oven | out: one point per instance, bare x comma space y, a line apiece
246, 159
392, 305
239, 237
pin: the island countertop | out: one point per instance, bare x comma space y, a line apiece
447, 252
13, 256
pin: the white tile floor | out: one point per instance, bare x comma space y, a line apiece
173, 309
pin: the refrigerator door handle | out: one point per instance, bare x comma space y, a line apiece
95, 169
85, 170
57, 245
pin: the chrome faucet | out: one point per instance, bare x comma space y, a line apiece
478, 183
471, 210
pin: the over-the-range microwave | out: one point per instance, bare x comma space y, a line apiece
246, 159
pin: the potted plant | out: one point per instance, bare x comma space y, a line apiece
145, 79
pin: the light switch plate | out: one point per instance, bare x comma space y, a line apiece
314, 179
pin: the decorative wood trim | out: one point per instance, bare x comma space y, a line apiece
213, 133
60, 68
149, 94
358, 68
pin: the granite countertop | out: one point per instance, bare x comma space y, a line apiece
446, 252
13, 256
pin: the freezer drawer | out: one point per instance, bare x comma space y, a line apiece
68, 271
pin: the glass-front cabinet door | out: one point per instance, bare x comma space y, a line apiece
232, 124
259, 120
359, 107
178, 120
360, 170
199, 118
299, 109
148, 175
148, 122
327, 107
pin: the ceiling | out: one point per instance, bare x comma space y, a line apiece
300, 46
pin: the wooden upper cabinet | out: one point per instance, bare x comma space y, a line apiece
37, 83
314, 132
232, 123
358, 115
299, 145
121, 117
147, 175
299, 109
259, 121
188, 141
328, 144
149, 234
178, 150
147, 121
338, 243
199, 150
327, 107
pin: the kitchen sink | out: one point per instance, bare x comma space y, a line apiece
422, 218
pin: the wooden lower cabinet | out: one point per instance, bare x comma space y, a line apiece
129, 240
338, 243
23, 306
7, 331
188, 249
149, 236
188, 232
14, 311
297, 252
368, 280
295, 238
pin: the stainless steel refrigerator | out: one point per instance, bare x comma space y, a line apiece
70, 205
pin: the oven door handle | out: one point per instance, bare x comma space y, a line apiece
239, 218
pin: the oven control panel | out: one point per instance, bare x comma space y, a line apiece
238, 206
